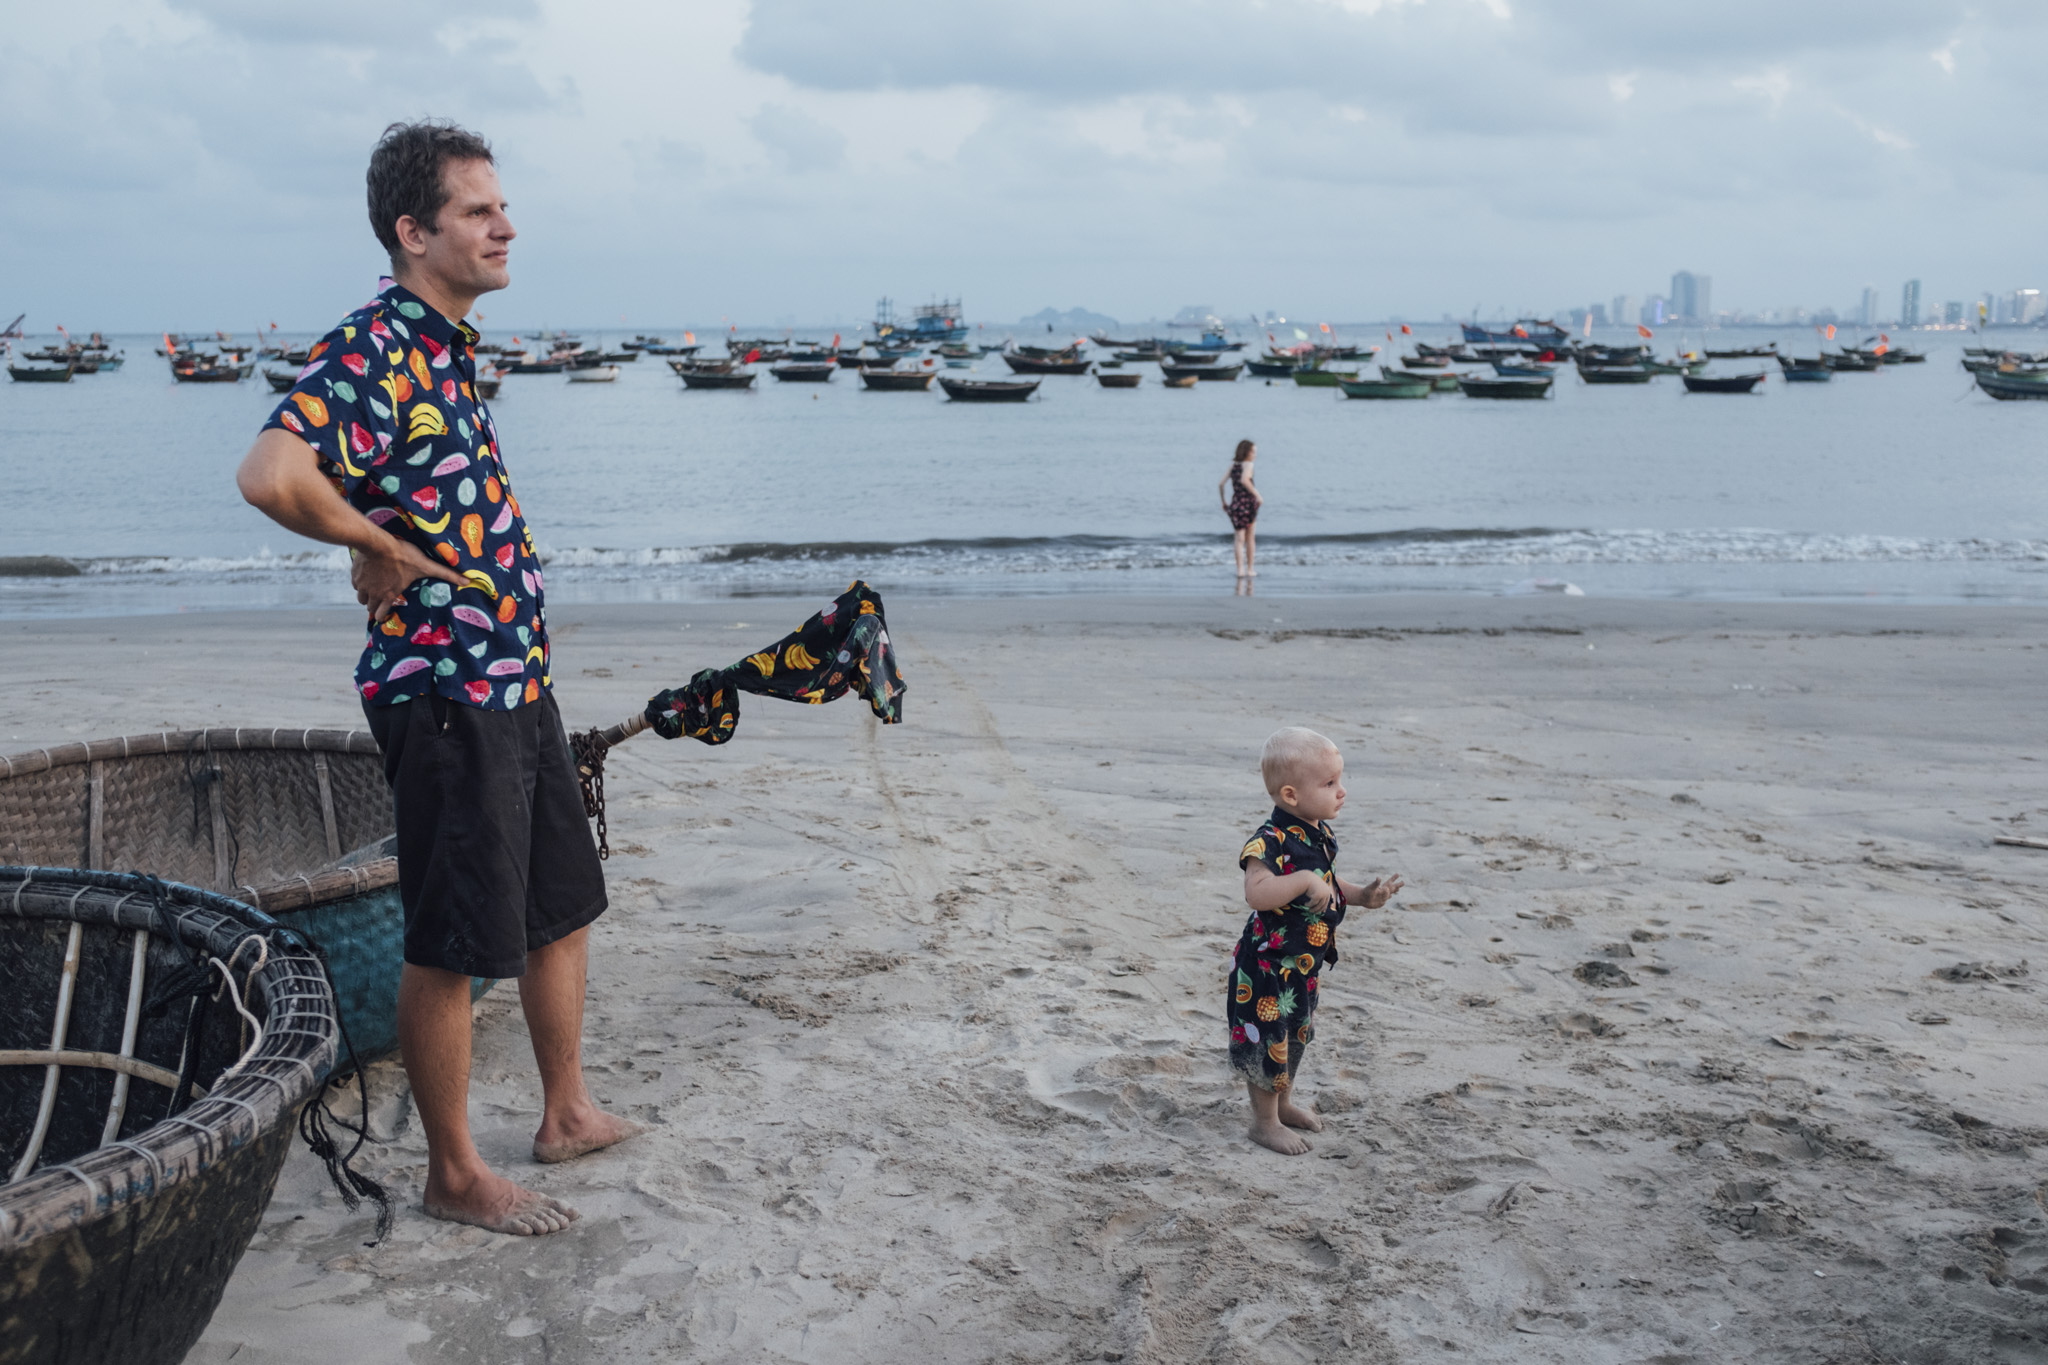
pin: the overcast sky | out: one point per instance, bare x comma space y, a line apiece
198, 163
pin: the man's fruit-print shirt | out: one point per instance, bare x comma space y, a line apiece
388, 400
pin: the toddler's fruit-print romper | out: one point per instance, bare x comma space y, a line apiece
1271, 997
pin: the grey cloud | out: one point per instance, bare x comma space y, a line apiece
801, 142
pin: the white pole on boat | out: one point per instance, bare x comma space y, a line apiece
57, 1034
129, 1027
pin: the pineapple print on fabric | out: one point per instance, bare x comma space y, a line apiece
1270, 999
388, 403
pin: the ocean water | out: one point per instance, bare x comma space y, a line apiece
1902, 485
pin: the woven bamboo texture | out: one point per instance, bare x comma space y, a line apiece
224, 809
121, 1251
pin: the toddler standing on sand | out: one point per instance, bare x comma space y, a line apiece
1297, 902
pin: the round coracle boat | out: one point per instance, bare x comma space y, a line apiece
157, 1046
296, 823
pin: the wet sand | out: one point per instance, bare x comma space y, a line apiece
1665, 1054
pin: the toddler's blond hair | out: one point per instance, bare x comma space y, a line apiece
1287, 751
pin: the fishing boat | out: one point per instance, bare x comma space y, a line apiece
1522, 369
1722, 383
988, 390
1351, 352
1679, 365
1277, 366
931, 323
1534, 332
885, 380
536, 366
41, 374
593, 374
1180, 379
1616, 374
1118, 381
1321, 378
1480, 386
157, 1046
214, 373
803, 371
281, 381
709, 378
641, 342
1801, 374
690, 349
487, 389
1067, 363
1744, 352
1220, 373
1850, 361
1423, 362
296, 823
1389, 386
2019, 384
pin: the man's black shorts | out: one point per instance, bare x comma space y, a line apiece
495, 856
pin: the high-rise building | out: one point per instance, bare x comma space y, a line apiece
1656, 311
1599, 315
1909, 304
1952, 312
1627, 309
1692, 297
1866, 311
2028, 306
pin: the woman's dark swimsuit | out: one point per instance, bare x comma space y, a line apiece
1244, 508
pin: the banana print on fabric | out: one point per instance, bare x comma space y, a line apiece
1270, 994
843, 648
388, 403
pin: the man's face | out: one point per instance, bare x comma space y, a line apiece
469, 254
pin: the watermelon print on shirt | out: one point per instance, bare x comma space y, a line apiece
388, 401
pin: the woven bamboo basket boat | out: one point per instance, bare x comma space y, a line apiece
291, 822
157, 1044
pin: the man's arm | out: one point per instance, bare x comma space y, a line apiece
280, 477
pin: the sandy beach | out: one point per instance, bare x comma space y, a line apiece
1707, 1029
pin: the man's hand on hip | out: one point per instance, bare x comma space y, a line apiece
381, 574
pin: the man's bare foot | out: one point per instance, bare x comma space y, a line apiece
497, 1205
594, 1133
1294, 1116
1280, 1139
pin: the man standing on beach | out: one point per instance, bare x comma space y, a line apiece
383, 447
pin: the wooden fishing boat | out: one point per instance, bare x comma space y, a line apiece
988, 390
157, 1044
886, 380
1206, 373
717, 379
1850, 361
593, 374
1388, 387
1183, 379
209, 374
1352, 352
1722, 383
1423, 362
293, 822
672, 350
1118, 381
1522, 369
1322, 379
487, 389
1808, 374
536, 366
1480, 386
281, 381
1616, 374
40, 374
803, 372
1277, 367
2020, 385
1744, 352
1031, 364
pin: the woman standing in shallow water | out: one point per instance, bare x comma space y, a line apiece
1241, 502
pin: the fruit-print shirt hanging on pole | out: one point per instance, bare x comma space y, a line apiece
1270, 1001
388, 400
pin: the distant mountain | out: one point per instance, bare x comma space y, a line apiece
1079, 321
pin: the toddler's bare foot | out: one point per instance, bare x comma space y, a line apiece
1294, 1116
593, 1132
497, 1205
1278, 1137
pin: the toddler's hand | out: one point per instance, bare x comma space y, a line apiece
1321, 895
1379, 892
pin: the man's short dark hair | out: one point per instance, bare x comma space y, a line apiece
406, 175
